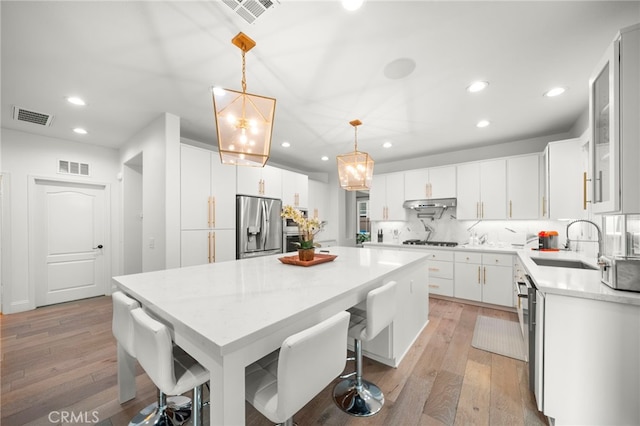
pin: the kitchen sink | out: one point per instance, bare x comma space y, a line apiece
562, 263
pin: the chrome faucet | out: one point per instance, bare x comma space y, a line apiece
600, 249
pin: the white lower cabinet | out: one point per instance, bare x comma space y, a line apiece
591, 361
484, 277
207, 246
441, 273
412, 314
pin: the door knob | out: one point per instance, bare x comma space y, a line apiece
99, 246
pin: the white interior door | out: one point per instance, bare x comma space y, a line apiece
69, 223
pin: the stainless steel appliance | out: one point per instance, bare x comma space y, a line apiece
416, 242
258, 226
531, 313
620, 264
291, 233
432, 208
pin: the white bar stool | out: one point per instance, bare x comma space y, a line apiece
178, 407
283, 382
171, 369
357, 396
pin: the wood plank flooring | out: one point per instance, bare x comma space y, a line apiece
62, 359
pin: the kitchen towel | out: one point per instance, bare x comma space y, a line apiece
499, 336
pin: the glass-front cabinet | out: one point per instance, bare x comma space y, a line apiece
614, 105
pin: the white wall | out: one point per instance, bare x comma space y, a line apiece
159, 142
25, 155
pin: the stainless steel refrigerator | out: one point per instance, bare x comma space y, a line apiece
258, 226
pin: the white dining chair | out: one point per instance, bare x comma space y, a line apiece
283, 382
354, 395
171, 369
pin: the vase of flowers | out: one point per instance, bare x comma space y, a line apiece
307, 228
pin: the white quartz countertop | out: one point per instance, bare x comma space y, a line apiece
236, 301
573, 282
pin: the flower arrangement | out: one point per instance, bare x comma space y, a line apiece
308, 227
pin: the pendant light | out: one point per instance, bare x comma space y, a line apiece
355, 169
244, 121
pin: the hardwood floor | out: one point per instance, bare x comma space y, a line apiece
61, 361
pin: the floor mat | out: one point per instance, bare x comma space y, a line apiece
499, 336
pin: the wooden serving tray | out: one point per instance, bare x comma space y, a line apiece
317, 259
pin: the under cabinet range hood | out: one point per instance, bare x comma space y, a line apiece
433, 208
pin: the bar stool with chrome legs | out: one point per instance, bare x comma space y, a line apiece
178, 407
281, 383
171, 369
356, 396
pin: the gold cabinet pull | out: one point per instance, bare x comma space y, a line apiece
213, 212
434, 286
434, 269
426, 190
484, 278
209, 212
209, 246
477, 209
584, 191
482, 209
478, 275
510, 209
213, 244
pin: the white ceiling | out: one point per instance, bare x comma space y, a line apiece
132, 61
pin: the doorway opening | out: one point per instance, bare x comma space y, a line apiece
362, 219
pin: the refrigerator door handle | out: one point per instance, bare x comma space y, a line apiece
264, 223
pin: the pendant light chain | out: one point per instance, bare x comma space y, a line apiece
356, 139
244, 79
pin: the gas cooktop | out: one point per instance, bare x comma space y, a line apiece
430, 243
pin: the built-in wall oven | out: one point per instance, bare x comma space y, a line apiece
291, 233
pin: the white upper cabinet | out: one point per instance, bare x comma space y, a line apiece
482, 190
436, 182
260, 181
295, 189
207, 207
566, 191
207, 190
386, 197
523, 192
614, 108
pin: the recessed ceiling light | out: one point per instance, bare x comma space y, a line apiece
324, 158
483, 123
556, 91
387, 145
285, 144
80, 131
477, 86
76, 100
352, 5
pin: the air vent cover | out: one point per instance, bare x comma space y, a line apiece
73, 168
250, 10
29, 116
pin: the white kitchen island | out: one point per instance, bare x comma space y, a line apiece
229, 314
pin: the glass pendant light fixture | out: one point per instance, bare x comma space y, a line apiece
355, 169
244, 121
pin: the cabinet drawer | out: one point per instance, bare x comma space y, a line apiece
446, 256
497, 259
441, 286
468, 257
440, 269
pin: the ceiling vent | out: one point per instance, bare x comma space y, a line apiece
30, 116
250, 10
